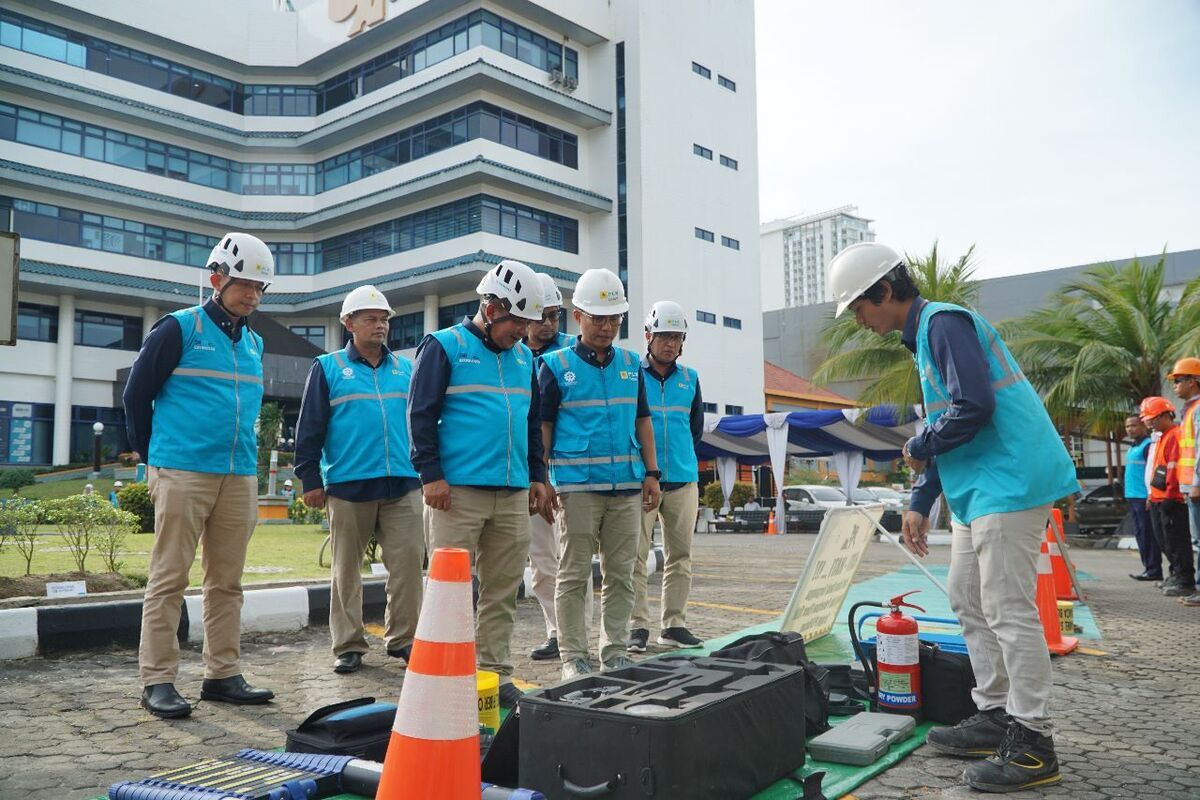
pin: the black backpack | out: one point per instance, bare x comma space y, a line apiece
786, 647
359, 728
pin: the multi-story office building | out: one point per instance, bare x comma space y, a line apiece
796, 252
406, 144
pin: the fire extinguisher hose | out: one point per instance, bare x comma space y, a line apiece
872, 680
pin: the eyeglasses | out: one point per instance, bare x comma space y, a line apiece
551, 316
610, 321
1182, 378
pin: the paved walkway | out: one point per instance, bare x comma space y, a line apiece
1129, 719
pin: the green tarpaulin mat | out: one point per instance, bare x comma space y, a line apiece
836, 648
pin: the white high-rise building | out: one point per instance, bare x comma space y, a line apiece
405, 144
796, 252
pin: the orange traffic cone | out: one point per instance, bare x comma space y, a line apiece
771, 529
434, 750
1063, 588
1047, 605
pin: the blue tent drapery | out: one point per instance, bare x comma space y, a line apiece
879, 433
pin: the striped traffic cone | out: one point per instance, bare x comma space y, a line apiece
434, 750
1063, 588
771, 529
1047, 607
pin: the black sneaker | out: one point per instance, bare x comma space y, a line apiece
1179, 590
1025, 760
547, 651
510, 695
637, 640
678, 637
977, 736
403, 653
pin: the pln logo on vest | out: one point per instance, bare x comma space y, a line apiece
347, 372
628, 376
569, 378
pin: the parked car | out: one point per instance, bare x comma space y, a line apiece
808, 496
888, 496
1100, 510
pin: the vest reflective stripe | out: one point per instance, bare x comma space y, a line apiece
367, 435
1187, 444
595, 445
1017, 460
670, 403
483, 433
204, 415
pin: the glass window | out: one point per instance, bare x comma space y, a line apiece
701, 70
112, 331
709, 408
732, 244
733, 322
734, 409
407, 330
705, 316
703, 234
315, 334
725, 83
37, 322
726, 161
703, 152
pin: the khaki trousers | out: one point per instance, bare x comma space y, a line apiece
992, 585
219, 511
543, 564
678, 509
397, 526
494, 527
611, 523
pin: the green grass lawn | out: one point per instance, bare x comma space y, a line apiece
277, 552
60, 489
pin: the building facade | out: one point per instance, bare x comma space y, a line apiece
796, 252
410, 145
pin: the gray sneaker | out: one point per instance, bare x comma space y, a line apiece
573, 668
1179, 590
1192, 601
976, 736
618, 662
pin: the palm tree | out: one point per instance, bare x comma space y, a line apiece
858, 354
1103, 342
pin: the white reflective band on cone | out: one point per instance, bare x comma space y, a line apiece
435, 707
1044, 564
454, 622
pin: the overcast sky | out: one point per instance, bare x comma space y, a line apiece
1049, 134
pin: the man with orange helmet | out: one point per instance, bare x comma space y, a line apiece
1168, 512
1186, 377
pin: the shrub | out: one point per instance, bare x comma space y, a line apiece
79, 518
301, 514
16, 479
135, 498
115, 525
714, 498
21, 519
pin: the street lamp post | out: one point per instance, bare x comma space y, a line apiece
98, 434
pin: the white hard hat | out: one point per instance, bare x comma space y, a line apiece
551, 296
241, 255
117, 484
363, 298
288, 482
856, 269
516, 283
599, 291
666, 316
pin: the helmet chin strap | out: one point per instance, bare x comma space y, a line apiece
488, 323
656, 359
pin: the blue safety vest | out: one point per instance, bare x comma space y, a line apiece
1135, 470
204, 414
1017, 460
367, 435
483, 433
595, 436
670, 403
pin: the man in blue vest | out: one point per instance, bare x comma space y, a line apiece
352, 456
545, 336
990, 448
1137, 497
677, 413
190, 405
476, 445
597, 432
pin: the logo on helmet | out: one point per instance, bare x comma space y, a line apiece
609, 294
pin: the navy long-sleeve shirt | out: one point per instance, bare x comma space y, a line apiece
695, 418
312, 430
427, 393
963, 366
552, 395
160, 354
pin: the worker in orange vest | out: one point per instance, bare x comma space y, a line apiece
1186, 377
1168, 511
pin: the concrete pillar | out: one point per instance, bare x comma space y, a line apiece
431, 313
64, 376
333, 334
150, 315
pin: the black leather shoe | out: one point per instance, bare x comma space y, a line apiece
547, 651
161, 700
233, 690
347, 662
510, 695
1145, 576
403, 653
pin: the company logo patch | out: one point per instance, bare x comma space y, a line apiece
347, 372
207, 347
468, 360
609, 294
569, 377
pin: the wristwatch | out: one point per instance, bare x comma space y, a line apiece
654, 473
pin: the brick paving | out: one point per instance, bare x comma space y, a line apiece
1128, 719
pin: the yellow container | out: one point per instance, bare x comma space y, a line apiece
488, 685
1066, 617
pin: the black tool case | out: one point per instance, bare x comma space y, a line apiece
673, 727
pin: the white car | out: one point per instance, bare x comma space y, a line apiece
888, 496
812, 496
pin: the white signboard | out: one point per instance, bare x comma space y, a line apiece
66, 589
830, 570
379, 569
10, 258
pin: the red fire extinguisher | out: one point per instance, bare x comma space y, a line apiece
898, 686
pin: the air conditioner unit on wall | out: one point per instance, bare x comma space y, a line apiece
570, 83
556, 76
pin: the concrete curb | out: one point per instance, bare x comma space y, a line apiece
51, 629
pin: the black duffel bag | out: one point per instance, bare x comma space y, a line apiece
359, 728
787, 647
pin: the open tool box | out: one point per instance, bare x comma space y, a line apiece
668, 728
